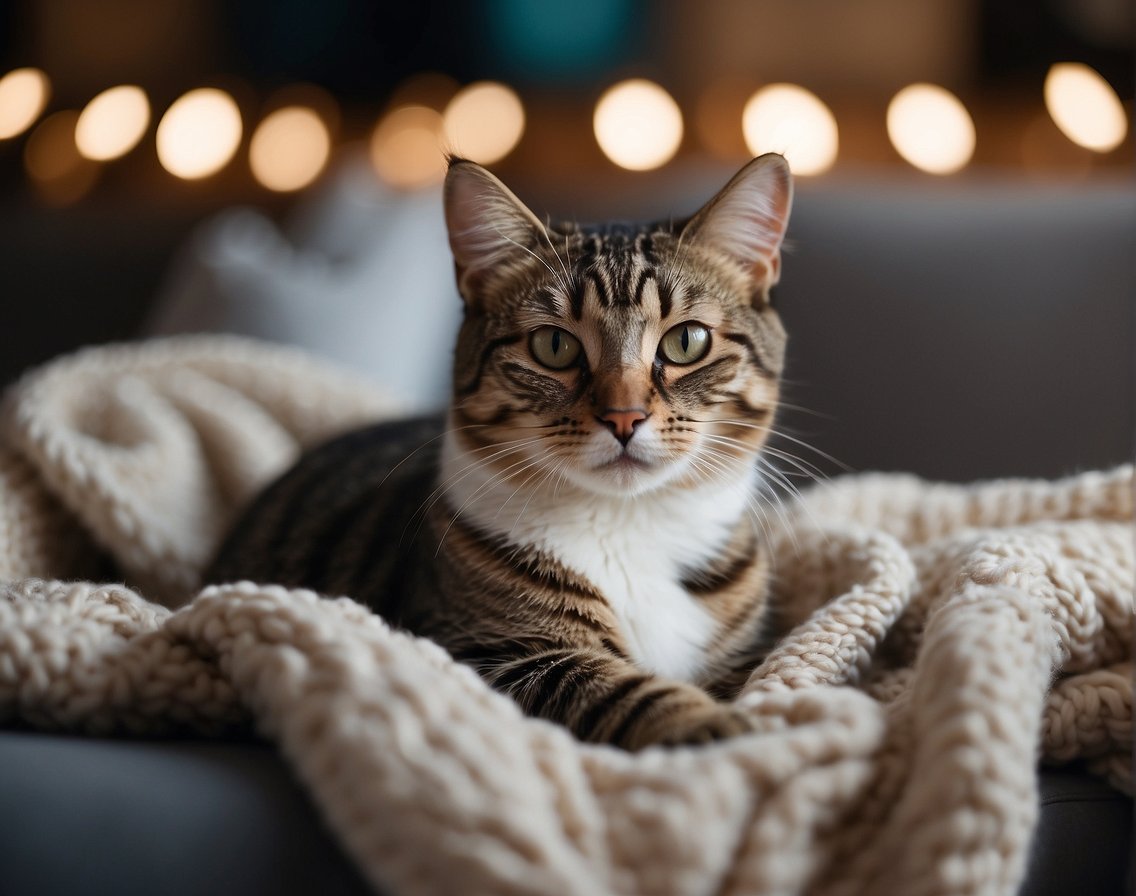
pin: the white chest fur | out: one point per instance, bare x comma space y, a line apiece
634, 550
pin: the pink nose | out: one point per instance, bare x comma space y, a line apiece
622, 422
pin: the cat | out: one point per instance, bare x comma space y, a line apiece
582, 526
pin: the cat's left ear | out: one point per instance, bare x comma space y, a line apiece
747, 221
488, 226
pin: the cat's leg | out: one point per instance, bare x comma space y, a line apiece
603, 698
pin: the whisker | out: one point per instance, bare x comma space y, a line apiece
563, 268
560, 280
782, 404
779, 433
540, 468
754, 509
779, 477
557, 470
498, 450
425, 444
524, 464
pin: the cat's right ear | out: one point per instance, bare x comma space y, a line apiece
747, 221
489, 227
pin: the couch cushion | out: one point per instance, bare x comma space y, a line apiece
180, 818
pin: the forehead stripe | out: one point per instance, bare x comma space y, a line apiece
663, 288
645, 245
546, 300
644, 275
576, 299
601, 288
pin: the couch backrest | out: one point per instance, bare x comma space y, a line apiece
963, 332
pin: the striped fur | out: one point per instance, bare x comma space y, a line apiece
583, 526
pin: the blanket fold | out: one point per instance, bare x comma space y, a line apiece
938, 641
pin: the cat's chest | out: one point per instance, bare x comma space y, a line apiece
635, 552
637, 567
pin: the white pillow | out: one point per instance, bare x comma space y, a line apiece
362, 276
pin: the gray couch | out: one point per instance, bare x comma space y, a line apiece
959, 330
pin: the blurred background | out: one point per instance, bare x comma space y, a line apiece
965, 214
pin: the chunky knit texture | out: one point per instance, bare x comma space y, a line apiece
940, 640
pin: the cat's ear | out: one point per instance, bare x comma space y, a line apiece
747, 220
488, 226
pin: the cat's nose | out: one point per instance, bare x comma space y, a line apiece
622, 422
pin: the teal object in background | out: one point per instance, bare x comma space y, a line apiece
562, 40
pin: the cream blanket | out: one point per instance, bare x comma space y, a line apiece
943, 637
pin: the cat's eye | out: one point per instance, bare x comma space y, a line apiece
554, 348
685, 344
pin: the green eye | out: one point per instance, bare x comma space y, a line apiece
685, 343
554, 347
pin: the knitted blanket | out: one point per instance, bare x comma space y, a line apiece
940, 639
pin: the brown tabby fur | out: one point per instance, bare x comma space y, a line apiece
475, 532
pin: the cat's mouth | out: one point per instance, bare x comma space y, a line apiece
626, 474
632, 470
626, 461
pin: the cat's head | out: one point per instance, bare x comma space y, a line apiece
619, 358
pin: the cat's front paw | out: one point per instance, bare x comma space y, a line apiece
718, 723
700, 726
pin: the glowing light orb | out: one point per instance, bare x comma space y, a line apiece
23, 96
289, 149
60, 174
112, 123
930, 127
484, 122
795, 122
199, 134
638, 125
716, 115
1085, 107
406, 147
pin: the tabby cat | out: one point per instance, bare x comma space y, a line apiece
582, 527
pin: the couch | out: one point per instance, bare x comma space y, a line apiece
957, 331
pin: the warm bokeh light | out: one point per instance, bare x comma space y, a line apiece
484, 122
23, 96
289, 149
112, 123
930, 127
716, 115
60, 174
406, 147
795, 122
638, 125
1085, 107
199, 134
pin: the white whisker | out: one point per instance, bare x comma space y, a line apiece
551, 270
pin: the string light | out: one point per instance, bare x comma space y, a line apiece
716, 114
113, 123
23, 95
1085, 107
930, 127
199, 134
406, 147
484, 122
53, 162
638, 125
289, 149
795, 122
